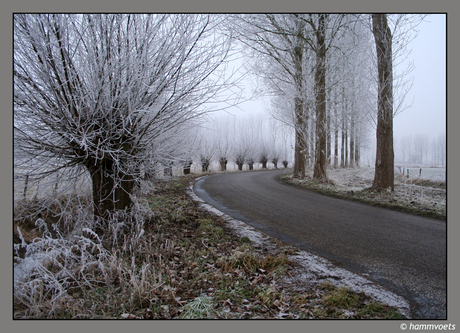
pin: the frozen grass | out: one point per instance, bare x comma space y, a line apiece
201, 307
167, 258
419, 196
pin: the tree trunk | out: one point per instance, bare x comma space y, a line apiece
328, 138
336, 141
111, 190
187, 167
320, 92
264, 161
301, 131
352, 140
357, 144
384, 164
346, 146
204, 164
342, 147
299, 154
223, 164
167, 171
344, 127
312, 145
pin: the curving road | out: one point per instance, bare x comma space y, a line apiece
403, 252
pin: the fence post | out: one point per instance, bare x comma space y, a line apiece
420, 173
25, 185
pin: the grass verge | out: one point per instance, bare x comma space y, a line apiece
382, 199
166, 259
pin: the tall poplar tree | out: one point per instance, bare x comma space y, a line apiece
384, 162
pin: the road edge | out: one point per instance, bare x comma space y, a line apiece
311, 267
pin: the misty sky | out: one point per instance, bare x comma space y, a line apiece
428, 112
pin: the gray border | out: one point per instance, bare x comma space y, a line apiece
228, 6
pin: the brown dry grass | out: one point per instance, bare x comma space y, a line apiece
167, 259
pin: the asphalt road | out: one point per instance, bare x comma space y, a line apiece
404, 253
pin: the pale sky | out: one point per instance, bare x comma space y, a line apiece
428, 112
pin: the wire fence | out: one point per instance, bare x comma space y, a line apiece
434, 174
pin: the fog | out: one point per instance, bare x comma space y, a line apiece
425, 109
427, 115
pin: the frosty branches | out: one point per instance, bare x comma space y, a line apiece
100, 91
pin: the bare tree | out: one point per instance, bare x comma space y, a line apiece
285, 40
97, 92
278, 41
324, 28
391, 46
355, 95
320, 91
384, 164
421, 147
415, 149
240, 142
276, 142
221, 137
403, 149
222, 149
205, 147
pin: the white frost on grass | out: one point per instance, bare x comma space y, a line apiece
313, 268
407, 192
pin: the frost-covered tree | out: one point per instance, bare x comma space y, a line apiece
205, 149
323, 32
242, 143
222, 140
278, 48
275, 142
292, 42
106, 93
348, 95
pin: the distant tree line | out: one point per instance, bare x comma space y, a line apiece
421, 149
